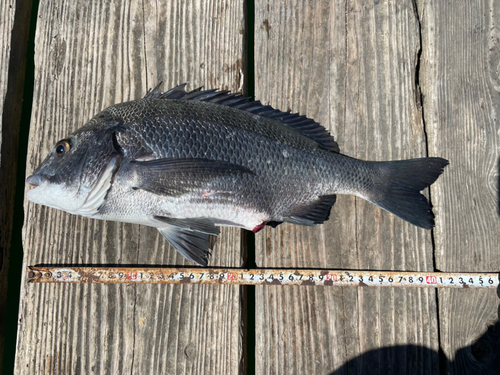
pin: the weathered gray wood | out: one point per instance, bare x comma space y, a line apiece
6, 25
14, 28
460, 86
90, 55
7, 13
351, 66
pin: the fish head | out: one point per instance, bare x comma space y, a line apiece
78, 172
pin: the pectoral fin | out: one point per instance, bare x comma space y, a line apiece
189, 237
176, 177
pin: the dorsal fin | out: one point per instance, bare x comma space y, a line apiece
302, 124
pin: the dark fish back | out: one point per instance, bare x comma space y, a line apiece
274, 152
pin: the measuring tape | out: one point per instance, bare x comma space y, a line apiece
237, 276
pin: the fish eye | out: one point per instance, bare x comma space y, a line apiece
62, 147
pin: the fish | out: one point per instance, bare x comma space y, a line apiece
186, 162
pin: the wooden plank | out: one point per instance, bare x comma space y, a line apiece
351, 65
88, 56
6, 204
460, 84
14, 29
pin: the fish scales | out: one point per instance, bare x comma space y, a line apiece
184, 162
173, 129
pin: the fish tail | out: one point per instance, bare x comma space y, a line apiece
398, 190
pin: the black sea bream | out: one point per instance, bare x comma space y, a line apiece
184, 162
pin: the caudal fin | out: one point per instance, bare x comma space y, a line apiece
399, 189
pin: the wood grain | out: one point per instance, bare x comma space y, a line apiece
460, 86
6, 25
7, 13
90, 55
352, 67
14, 29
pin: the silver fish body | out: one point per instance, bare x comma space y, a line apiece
184, 162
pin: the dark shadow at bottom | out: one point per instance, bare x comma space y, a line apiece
481, 357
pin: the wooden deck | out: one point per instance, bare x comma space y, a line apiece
391, 80
14, 29
7, 192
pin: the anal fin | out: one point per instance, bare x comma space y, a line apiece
315, 213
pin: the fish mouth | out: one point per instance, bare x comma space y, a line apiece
37, 179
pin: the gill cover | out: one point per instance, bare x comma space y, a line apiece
78, 172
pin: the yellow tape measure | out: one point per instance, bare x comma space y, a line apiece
237, 276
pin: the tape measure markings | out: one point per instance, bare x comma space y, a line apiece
237, 276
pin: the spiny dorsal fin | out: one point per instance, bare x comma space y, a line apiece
302, 124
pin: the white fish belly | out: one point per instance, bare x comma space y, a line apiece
142, 207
